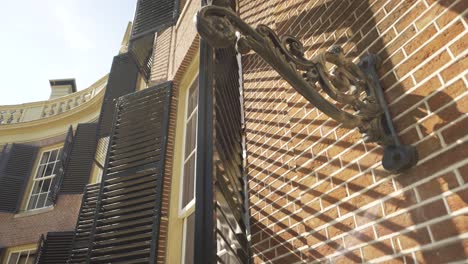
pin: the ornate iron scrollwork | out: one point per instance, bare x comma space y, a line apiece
354, 87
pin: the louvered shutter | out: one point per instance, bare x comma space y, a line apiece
66, 150
78, 168
128, 213
122, 80
2, 253
221, 211
16, 168
152, 16
84, 225
55, 248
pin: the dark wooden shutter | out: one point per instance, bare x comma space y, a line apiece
122, 80
84, 225
152, 16
16, 168
128, 212
55, 248
78, 168
66, 151
221, 211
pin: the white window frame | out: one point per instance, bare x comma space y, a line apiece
185, 211
189, 209
29, 250
36, 179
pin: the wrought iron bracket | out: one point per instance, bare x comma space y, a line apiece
359, 100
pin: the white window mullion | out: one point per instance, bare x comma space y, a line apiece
43, 179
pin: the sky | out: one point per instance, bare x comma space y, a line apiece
56, 39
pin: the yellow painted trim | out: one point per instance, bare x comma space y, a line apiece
16, 249
27, 190
175, 229
55, 125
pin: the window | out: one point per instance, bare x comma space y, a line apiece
23, 256
46, 171
187, 197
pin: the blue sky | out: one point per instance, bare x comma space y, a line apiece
53, 39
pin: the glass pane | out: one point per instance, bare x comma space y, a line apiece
49, 169
46, 185
40, 171
45, 157
23, 258
57, 167
189, 181
47, 202
41, 200
13, 258
191, 135
37, 187
32, 202
189, 239
192, 97
32, 256
53, 156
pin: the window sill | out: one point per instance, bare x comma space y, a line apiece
34, 212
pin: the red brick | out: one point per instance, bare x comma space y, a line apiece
433, 12
447, 253
460, 45
420, 39
458, 200
450, 228
429, 211
377, 250
451, 13
432, 66
430, 48
394, 224
437, 186
409, 17
456, 68
413, 238
446, 96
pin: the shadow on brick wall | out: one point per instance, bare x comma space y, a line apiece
281, 234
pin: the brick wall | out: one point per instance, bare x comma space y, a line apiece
27, 229
317, 192
162, 47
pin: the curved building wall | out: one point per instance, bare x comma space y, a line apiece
44, 124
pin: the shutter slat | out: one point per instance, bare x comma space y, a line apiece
64, 158
79, 248
55, 248
152, 16
122, 80
78, 168
17, 162
126, 224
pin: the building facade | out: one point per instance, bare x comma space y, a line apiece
189, 152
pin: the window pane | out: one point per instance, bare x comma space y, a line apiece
13, 258
41, 200
40, 171
45, 157
192, 97
49, 169
191, 135
37, 187
189, 239
32, 257
53, 155
46, 185
32, 202
188, 182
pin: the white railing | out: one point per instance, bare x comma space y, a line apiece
12, 114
